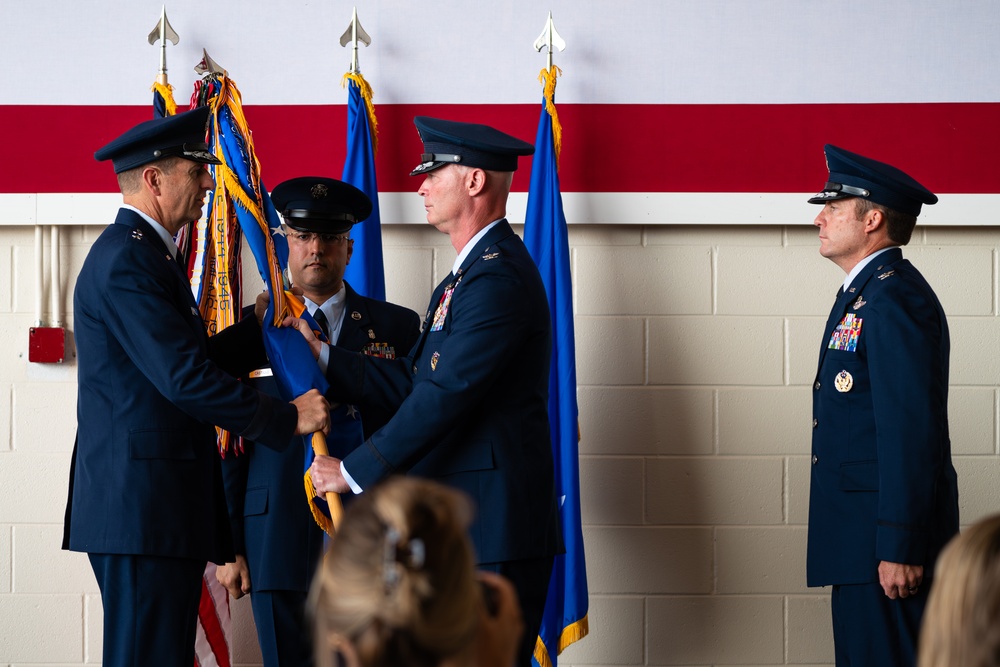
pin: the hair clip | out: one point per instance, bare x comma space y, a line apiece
390, 568
417, 554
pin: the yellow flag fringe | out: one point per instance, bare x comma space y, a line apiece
167, 93
570, 634
366, 95
547, 77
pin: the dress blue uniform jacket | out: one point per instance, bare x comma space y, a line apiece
883, 485
472, 401
271, 521
146, 476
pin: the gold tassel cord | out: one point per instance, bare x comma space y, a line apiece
547, 77
366, 95
230, 97
322, 520
166, 91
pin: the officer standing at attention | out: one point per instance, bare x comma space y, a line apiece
146, 498
278, 543
884, 495
472, 396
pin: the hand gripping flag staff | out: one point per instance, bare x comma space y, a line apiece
545, 235
240, 197
366, 272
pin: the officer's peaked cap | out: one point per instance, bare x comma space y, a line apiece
853, 175
471, 144
181, 135
319, 204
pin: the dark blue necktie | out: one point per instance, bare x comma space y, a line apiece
323, 323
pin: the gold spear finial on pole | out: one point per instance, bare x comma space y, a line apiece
163, 32
549, 39
354, 34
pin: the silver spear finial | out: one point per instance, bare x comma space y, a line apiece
548, 39
354, 34
163, 32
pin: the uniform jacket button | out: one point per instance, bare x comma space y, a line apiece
815, 422
815, 459
817, 385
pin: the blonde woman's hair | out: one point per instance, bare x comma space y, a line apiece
961, 627
398, 584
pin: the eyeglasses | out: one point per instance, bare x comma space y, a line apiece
309, 237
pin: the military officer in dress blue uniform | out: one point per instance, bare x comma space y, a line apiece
277, 542
472, 395
146, 498
884, 495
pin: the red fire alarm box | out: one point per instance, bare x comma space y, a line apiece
46, 345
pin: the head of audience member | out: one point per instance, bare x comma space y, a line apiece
468, 169
867, 205
160, 166
961, 627
319, 213
399, 587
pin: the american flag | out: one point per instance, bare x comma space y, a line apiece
214, 639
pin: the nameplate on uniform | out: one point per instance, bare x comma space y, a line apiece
845, 336
261, 373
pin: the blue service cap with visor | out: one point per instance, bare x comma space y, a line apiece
473, 145
181, 135
320, 204
853, 175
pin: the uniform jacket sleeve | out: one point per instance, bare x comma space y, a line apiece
910, 380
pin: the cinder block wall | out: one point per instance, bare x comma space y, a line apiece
696, 347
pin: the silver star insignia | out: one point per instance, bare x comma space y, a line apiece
278, 231
352, 411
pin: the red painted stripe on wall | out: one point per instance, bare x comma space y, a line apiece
951, 148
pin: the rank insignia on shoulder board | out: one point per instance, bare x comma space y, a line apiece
492, 255
885, 275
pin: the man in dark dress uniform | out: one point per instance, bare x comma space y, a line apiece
884, 495
472, 396
277, 542
146, 497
